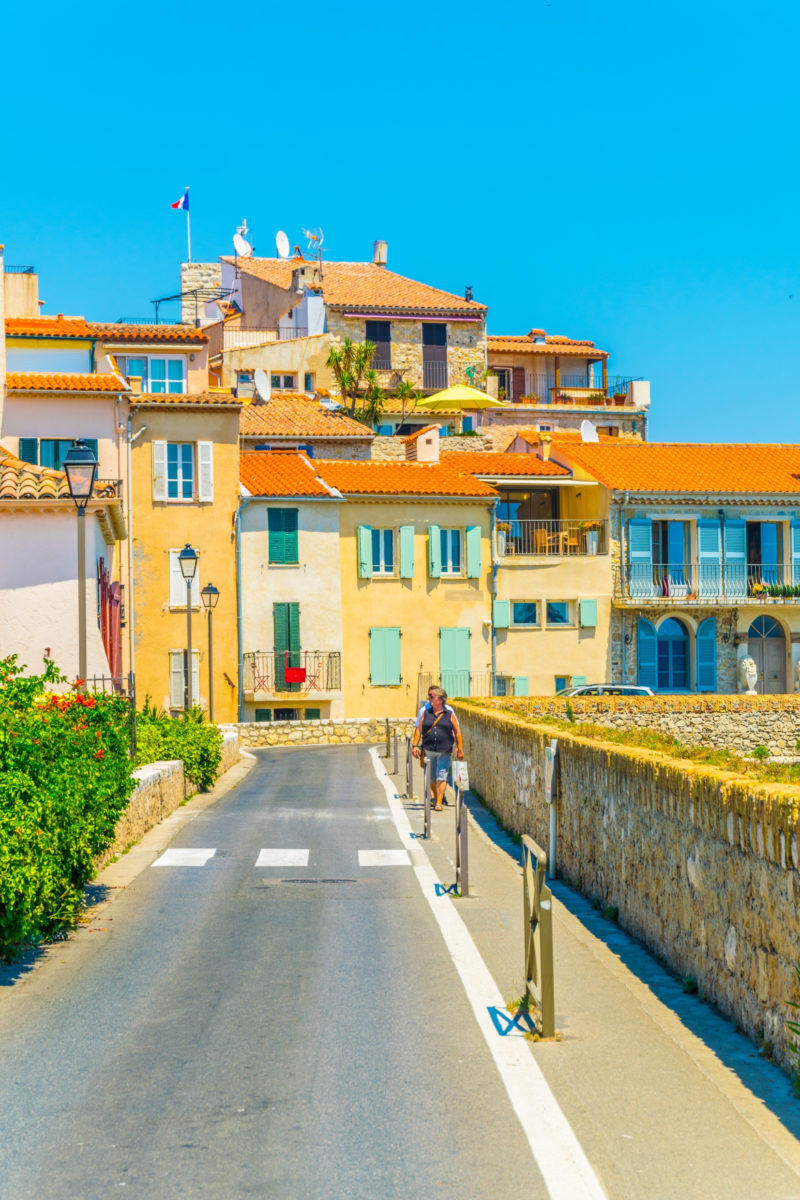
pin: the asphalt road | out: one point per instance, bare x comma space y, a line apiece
244, 1030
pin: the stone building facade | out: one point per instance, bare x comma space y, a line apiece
466, 349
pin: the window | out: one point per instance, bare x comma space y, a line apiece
383, 552
158, 375
380, 334
559, 612
384, 657
178, 681
287, 714
524, 612
308, 382
177, 584
49, 452
450, 540
180, 471
284, 382
263, 714
672, 656
283, 543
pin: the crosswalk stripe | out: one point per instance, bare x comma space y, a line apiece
383, 858
278, 857
184, 858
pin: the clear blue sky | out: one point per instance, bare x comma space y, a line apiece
622, 171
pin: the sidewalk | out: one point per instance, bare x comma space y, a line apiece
665, 1097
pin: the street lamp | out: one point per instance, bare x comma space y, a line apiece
80, 467
210, 595
188, 562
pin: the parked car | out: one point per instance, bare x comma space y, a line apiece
606, 689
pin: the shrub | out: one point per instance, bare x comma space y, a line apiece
761, 753
65, 777
191, 738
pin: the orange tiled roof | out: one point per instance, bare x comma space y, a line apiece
674, 467
24, 481
412, 437
402, 479
534, 436
293, 414
486, 462
45, 381
222, 399
365, 286
552, 345
106, 331
270, 474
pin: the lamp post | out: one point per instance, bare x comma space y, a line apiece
188, 561
80, 467
210, 595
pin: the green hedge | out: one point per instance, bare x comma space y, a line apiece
197, 742
65, 778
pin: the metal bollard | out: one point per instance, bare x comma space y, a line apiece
396, 753
462, 844
538, 921
426, 783
387, 739
409, 769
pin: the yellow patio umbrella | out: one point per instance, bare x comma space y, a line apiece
460, 396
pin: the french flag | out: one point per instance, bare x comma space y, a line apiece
183, 202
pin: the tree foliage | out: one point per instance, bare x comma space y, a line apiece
350, 364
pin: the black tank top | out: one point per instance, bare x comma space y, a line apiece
438, 736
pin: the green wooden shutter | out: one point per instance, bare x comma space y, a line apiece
501, 614
588, 614
277, 546
454, 660
286, 636
290, 542
28, 450
364, 537
384, 657
473, 552
406, 540
578, 681
312, 714
521, 685
434, 551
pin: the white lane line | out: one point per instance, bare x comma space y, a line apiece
383, 858
277, 857
184, 858
567, 1173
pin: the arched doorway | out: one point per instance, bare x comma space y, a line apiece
672, 656
766, 645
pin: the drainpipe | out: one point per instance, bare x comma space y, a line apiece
131, 641
493, 517
243, 503
623, 583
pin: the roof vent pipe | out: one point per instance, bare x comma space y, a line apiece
380, 253
468, 293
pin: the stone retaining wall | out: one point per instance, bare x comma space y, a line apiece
701, 864
366, 730
724, 722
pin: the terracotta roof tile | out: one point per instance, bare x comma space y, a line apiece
401, 479
24, 481
36, 381
270, 474
486, 462
534, 436
412, 437
293, 414
689, 468
364, 286
221, 399
553, 344
106, 331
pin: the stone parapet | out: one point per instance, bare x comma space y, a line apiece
354, 730
702, 865
160, 788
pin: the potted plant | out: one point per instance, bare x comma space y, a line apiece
502, 529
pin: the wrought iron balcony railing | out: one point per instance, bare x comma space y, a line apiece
703, 582
555, 538
269, 672
465, 683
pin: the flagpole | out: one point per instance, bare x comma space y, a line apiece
189, 233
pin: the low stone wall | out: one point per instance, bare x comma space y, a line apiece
160, 788
701, 864
230, 748
366, 730
724, 722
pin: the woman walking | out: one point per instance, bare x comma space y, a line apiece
436, 732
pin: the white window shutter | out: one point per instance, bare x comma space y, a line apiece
176, 690
195, 586
205, 472
159, 470
177, 584
196, 678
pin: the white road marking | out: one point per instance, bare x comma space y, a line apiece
277, 857
383, 858
567, 1173
184, 858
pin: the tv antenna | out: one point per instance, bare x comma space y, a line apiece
263, 386
282, 244
315, 240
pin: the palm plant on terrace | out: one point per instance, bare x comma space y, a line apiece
350, 362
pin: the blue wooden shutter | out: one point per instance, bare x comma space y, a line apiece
29, 450
578, 681
501, 614
454, 660
640, 557
769, 552
588, 614
735, 544
709, 560
473, 552
384, 657
646, 654
434, 551
707, 655
364, 538
795, 536
406, 541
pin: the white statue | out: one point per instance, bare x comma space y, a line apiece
748, 674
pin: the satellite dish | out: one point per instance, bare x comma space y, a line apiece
263, 386
242, 248
282, 244
588, 432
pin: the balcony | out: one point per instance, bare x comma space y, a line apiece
222, 337
556, 539
267, 673
575, 390
699, 583
434, 375
466, 683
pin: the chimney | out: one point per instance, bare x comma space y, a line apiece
380, 252
468, 293
423, 447
546, 443
21, 292
538, 336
